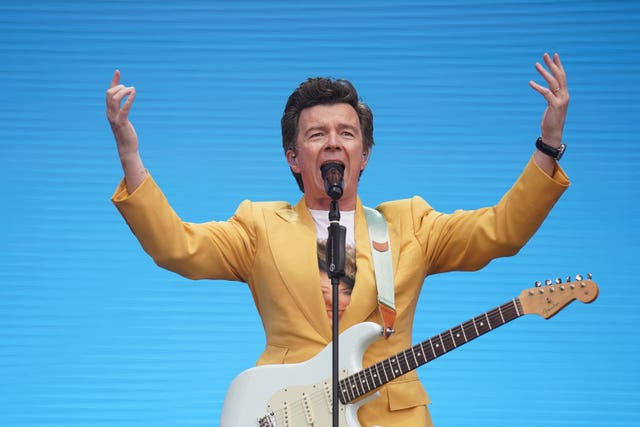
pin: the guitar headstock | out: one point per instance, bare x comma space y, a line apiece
548, 299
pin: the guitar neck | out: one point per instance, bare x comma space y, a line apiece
371, 378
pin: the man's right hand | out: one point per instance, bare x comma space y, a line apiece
124, 132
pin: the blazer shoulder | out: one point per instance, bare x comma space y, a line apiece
264, 209
414, 206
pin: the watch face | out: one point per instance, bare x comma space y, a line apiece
561, 151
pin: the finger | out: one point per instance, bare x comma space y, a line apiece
555, 66
114, 94
553, 84
112, 90
551, 80
114, 103
115, 81
545, 92
121, 94
561, 75
126, 107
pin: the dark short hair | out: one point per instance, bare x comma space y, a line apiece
323, 91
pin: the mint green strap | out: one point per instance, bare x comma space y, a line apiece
381, 253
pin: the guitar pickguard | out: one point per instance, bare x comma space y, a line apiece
305, 405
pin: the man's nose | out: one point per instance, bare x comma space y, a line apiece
333, 142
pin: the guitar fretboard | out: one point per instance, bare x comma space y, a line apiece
371, 378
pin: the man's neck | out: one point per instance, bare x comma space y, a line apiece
324, 204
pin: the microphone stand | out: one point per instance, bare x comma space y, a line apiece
336, 265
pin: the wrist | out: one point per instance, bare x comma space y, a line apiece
553, 149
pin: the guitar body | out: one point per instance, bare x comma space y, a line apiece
299, 394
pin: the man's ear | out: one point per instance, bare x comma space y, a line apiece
365, 159
292, 159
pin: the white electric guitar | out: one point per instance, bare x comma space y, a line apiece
298, 395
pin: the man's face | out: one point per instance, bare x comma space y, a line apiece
328, 133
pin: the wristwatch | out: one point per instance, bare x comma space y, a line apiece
550, 151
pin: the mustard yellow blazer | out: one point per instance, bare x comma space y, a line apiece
271, 246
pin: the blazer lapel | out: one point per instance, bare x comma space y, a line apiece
293, 242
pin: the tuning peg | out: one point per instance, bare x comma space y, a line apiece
578, 277
568, 279
589, 276
558, 280
538, 283
548, 282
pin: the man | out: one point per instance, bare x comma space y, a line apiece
273, 246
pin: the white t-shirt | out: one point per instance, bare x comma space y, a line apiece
321, 218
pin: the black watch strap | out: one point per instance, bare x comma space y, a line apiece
550, 151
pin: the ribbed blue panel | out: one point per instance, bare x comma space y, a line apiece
92, 333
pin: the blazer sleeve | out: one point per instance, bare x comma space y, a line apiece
212, 250
468, 240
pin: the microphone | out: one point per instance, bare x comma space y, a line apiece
332, 173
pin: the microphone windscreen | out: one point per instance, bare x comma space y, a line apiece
332, 174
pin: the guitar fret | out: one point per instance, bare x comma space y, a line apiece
439, 347
364, 381
344, 390
458, 335
359, 385
501, 316
424, 353
397, 370
512, 310
371, 380
353, 386
464, 334
449, 342
444, 347
415, 359
475, 327
405, 357
377, 380
385, 371
486, 315
516, 303
432, 349
452, 338
469, 331
388, 368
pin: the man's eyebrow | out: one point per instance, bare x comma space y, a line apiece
315, 127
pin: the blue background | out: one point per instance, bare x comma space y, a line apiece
92, 333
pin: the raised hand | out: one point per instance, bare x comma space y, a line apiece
119, 100
557, 96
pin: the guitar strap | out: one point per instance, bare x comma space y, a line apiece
383, 267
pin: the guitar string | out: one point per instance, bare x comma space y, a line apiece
496, 318
361, 380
